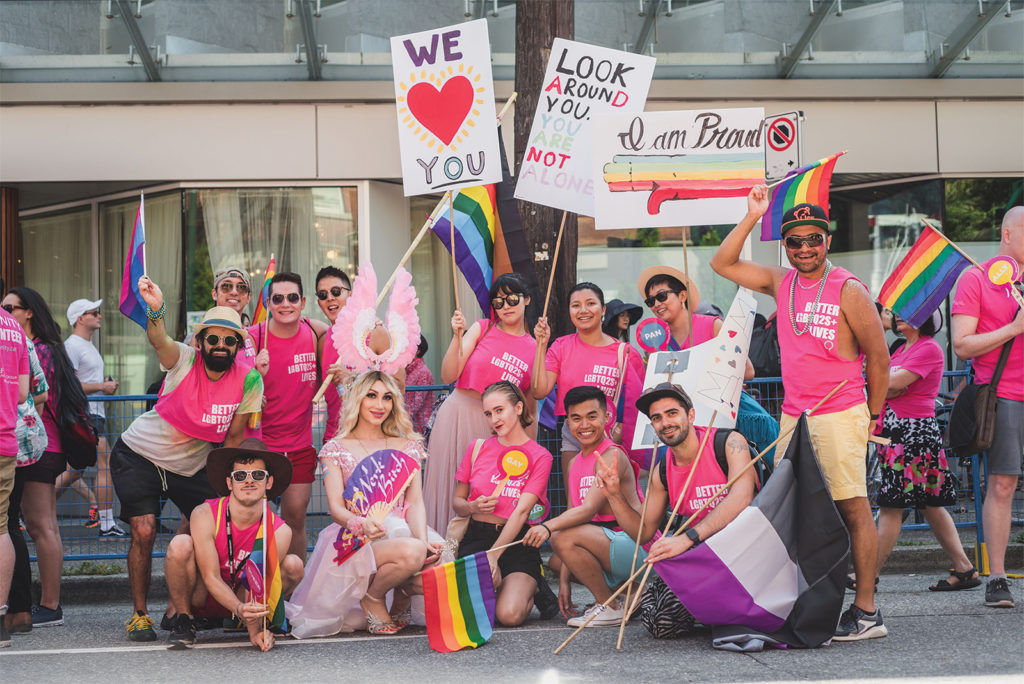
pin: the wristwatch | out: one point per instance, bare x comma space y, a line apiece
693, 535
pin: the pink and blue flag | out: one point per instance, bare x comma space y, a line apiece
132, 305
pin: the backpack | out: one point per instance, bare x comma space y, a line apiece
721, 437
764, 353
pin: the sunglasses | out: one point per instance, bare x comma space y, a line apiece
293, 297
231, 341
258, 475
241, 288
661, 297
95, 312
9, 308
795, 242
335, 292
499, 302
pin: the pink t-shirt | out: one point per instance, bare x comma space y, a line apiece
994, 307
485, 475
578, 363
703, 330
926, 360
498, 356
811, 364
708, 479
13, 364
289, 385
331, 396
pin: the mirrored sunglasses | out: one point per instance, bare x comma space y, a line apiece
511, 299
795, 242
293, 297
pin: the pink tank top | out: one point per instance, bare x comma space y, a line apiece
242, 539
498, 356
811, 364
708, 479
289, 386
582, 478
202, 408
703, 330
331, 396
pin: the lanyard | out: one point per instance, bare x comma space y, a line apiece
233, 568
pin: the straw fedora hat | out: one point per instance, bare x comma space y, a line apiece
692, 293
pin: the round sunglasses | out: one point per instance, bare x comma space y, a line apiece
511, 299
230, 341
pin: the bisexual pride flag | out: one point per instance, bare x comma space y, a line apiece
923, 278
263, 570
807, 184
776, 574
459, 601
132, 305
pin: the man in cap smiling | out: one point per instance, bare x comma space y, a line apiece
204, 401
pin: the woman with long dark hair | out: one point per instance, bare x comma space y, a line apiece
36, 482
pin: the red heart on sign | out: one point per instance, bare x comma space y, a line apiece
442, 111
732, 333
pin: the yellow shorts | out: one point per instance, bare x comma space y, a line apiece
841, 443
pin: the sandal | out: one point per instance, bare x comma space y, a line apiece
404, 616
374, 625
851, 583
965, 580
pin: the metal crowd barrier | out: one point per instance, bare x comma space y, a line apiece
82, 543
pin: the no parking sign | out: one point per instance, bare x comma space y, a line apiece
782, 151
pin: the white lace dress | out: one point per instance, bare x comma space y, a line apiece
326, 602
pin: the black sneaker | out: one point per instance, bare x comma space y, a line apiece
5, 636
183, 634
855, 624
113, 531
997, 594
167, 622
46, 617
546, 601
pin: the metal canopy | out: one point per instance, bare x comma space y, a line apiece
141, 49
651, 10
967, 31
309, 36
789, 62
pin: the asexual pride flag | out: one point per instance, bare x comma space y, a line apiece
776, 574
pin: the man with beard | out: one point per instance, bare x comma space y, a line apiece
670, 410
829, 331
204, 401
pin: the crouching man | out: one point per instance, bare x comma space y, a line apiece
671, 413
206, 569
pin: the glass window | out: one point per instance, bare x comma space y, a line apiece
431, 269
126, 351
57, 253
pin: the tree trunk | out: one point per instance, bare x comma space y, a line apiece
538, 23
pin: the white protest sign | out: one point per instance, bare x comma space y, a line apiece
581, 81
680, 168
710, 372
445, 99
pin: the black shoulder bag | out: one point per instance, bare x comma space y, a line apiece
972, 423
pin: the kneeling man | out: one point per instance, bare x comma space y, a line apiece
586, 538
206, 568
671, 413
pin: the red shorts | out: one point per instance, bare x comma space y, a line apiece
303, 465
212, 609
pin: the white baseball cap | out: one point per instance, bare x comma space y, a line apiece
79, 307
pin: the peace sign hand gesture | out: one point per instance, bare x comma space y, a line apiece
608, 475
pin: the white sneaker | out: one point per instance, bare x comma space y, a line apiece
604, 616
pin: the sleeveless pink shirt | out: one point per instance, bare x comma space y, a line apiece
242, 539
708, 479
703, 330
498, 356
811, 364
203, 408
582, 478
289, 387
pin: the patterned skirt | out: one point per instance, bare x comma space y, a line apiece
913, 466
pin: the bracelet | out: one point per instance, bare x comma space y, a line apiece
156, 315
546, 528
355, 525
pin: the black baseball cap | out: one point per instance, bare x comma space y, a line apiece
804, 215
661, 391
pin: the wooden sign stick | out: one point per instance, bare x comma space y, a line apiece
554, 264
701, 509
496, 548
689, 305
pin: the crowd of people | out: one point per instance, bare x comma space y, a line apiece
232, 427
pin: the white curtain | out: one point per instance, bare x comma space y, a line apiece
57, 252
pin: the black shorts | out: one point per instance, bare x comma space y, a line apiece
46, 470
139, 486
481, 536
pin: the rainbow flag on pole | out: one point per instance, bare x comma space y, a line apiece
808, 184
489, 237
459, 603
263, 303
131, 304
263, 571
923, 278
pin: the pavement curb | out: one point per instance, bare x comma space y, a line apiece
927, 559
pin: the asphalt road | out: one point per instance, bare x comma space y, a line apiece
933, 637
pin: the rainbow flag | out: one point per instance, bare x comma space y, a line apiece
459, 601
489, 237
808, 184
131, 304
263, 303
923, 278
263, 571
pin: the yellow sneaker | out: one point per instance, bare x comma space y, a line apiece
139, 627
